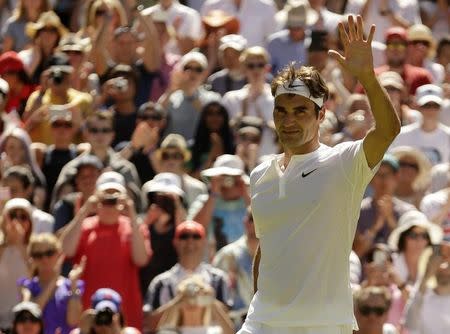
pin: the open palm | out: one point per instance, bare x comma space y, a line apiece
357, 58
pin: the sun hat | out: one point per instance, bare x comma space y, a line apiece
46, 19
423, 178
233, 41
429, 93
414, 218
217, 18
31, 307
189, 226
18, 203
194, 56
164, 183
72, 42
420, 32
300, 14
111, 180
106, 298
175, 141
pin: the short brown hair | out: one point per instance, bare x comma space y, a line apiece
308, 74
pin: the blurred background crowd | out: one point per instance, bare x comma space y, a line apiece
128, 131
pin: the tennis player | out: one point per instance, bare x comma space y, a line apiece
306, 201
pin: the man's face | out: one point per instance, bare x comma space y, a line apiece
193, 73
86, 178
296, 122
395, 52
172, 160
230, 58
125, 46
371, 313
430, 111
297, 33
153, 119
418, 49
385, 181
99, 133
62, 131
255, 68
189, 243
16, 188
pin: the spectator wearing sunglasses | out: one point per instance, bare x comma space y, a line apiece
172, 157
114, 243
185, 96
57, 296
421, 50
255, 98
99, 133
371, 308
16, 227
189, 242
27, 319
151, 120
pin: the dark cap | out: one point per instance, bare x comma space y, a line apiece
395, 32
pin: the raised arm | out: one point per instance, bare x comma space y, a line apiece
152, 50
358, 61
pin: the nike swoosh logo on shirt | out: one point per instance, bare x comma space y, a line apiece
306, 174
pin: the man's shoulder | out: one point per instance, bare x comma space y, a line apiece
278, 38
215, 273
412, 71
194, 183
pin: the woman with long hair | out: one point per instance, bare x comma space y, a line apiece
14, 36
57, 296
213, 137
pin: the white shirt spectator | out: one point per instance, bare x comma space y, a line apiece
256, 17
262, 107
42, 221
432, 205
436, 70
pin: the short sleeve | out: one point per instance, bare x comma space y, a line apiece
30, 284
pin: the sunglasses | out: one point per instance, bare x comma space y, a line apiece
101, 12
100, 130
186, 236
19, 216
172, 156
65, 125
396, 46
151, 117
420, 42
26, 317
250, 139
409, 165
196, 69
366, 310
40, 255
415, 236
252, 66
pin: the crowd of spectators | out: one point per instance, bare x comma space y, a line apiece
129, 129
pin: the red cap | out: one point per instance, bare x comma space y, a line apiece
393, 32
10, 62
189, 226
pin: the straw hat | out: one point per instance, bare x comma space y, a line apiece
46, 19
414, 218
423, 178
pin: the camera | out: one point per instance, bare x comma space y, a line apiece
228, 181
57, 76
104, 317
121, 84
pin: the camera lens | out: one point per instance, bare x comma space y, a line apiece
57, 77
104, 317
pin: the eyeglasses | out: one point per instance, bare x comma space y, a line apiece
100, 130
186, 236
396, 46
409, 165
420, 42
40, 255
65, 125
151, 117
196, 69
415, 236
26, 317
252, 66
172, 156
14, 215
366, 310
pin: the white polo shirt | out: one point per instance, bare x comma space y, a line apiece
306, 219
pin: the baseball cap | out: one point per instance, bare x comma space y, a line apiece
189, 226
194, 56
236, 42
394, 32
429, 93
89, 160
391, 79
31, 307
419, 32
106, 298
300, 14
391, 161
165, 183
111, 180
10, 62
18, 203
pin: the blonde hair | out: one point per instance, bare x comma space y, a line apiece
112, 4
48, 239
20, 11
254, 51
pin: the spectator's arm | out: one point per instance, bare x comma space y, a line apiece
140, 250
46, 293
98, 54
221, 318
74, 306
204, 215
152, 50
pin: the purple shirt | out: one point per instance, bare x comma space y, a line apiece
55, 312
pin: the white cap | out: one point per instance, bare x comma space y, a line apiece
111, 180
165, 183
31, 307
4, 87
18, 203
236, 42
226, 164
429, 93
194, 56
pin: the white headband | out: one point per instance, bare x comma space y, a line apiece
298, 87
